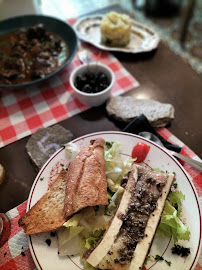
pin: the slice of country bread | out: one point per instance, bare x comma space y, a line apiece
127, 108
86, 179
48, 213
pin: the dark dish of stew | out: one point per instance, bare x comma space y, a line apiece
27, 55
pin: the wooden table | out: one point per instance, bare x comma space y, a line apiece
163, 76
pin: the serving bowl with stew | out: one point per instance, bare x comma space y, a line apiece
33, 48
92, 83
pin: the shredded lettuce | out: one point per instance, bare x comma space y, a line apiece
171, 225
113, 162
115, 167
69, 239
175, 200
94, 238
112, 186
74, 221
114, 202
111, 150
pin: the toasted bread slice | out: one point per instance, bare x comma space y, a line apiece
48, 213
86, 179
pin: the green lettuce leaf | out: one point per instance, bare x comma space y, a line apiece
113, 162
69, 240
74, 221
175, 199
114, 202
94, 220
171, 225
94, 238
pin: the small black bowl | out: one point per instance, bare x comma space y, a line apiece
61, 28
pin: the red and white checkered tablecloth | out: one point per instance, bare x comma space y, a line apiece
23, 111
10, 254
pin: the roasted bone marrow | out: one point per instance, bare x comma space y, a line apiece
127, 241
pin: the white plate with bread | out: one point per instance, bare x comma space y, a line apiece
44, 246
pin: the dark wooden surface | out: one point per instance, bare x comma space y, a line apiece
162, 75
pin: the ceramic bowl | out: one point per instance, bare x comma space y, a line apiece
63, 29
92, 99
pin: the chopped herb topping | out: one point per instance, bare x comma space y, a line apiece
5, 254
109, 144
158, 258
168, 262
180, 250
66, 169
42, 178
175, 185
158, 170
48, 242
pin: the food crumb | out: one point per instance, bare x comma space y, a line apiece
48, 242
53, 234
23, 254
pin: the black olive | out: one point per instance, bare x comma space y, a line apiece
90, 82
102, 77
87, 88
80, 81
89, 76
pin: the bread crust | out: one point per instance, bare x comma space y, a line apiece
86, 179
48, 213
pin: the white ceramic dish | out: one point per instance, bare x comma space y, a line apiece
46, 257
94, 99
143, 38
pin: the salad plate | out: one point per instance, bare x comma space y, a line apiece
44, 247
142, 39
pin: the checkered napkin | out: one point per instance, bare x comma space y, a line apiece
23, 111
15, 254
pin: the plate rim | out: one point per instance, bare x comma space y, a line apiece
115, 49
195, 260
67, 61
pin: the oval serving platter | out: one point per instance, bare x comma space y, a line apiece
143, 38
46, 257
61, 28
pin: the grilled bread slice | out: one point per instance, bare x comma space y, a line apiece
86, 179
48, 213
127, 241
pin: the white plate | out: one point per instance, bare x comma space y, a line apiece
143, 38
47, 257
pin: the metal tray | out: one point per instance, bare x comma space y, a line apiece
143, 38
